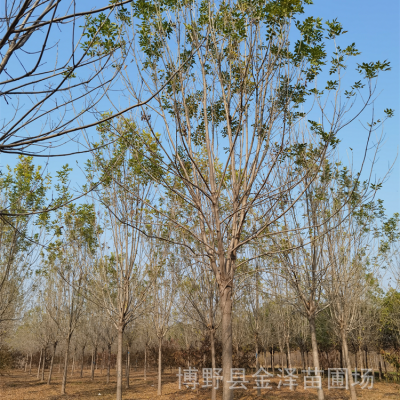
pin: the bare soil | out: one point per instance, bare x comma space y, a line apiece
20, 385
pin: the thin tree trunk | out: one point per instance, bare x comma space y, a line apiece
380, 365
257, 362
44, 361
159, 390
145, 361
346, 357
314, 346
83, 360
52, 362
65, 372
94, 353
213, 365
289, 358
108, 363
73, 365
303, 361
30, 366
119, 363
26, 362
128, 366
40, 363
226, 327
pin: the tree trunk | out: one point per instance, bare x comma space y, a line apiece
226, 327
145, 362
303, 361
94, 352
26, 362
73, 365
159, 389
289, 358
109, 363
30, 366
119, 362
257, 362
273, 360
65, 372
380, 365
315, 355
83, 359
341, 357
40, 363
128, 365
366, 357
52, 363
213, 366
346, 357
44, 361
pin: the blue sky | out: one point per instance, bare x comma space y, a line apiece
374, 27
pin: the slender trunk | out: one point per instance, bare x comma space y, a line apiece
73, 365
109, 363
380, 365
226, 327
289, 358
314, 346
40, 363
119, 362
213, 366
273, 360
64, 379
257, 362
30, 366
44, 361
94, 352
102, 360
26, 362
303, 361
83, 359
346, 357
52, 362
145, 361
341, 357
159, 389
366, 357
128, 366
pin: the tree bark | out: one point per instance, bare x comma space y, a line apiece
94, 352
40, 363
44, 361
119, 362
65, 372
315, 355
145, 362
30, 366
346, 357
159, 389
128, 365
108, 363
226, 327
83, 359
213, 365
257, 362
52, 362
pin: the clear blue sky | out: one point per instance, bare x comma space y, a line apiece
374, 27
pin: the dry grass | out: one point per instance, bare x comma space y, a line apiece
19, 385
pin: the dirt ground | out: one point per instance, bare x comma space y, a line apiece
20, 385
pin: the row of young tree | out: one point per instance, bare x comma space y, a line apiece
102, 274
222, 200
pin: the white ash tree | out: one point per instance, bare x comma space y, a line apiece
231, 122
